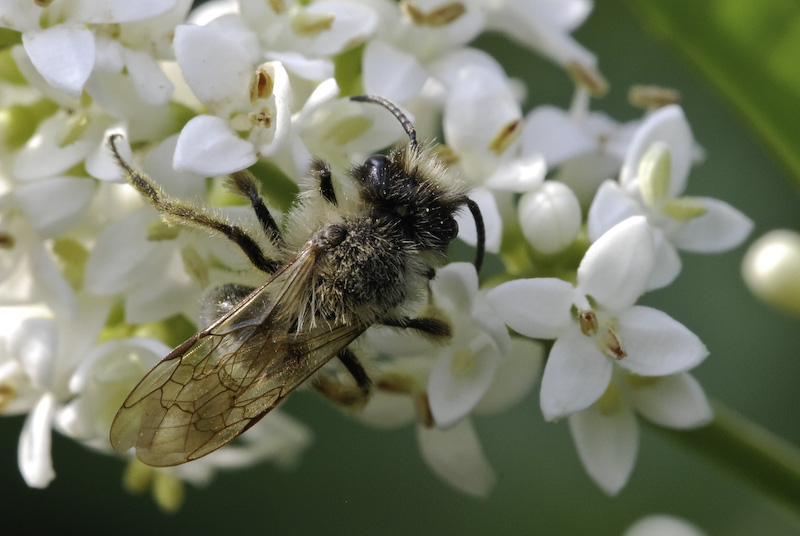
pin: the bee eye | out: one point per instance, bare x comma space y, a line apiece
450, 228
377, 170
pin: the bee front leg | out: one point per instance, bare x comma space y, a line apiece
345, 394
322, 173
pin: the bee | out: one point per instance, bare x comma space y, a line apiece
344, 264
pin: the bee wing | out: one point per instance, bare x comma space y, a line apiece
223, 380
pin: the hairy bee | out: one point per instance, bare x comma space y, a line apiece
345, 265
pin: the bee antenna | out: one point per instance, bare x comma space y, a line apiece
392, 107
481, 231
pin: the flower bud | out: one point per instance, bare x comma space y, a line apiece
771, 269
550, 217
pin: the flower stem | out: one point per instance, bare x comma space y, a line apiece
768, 462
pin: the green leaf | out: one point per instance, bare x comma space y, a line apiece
750, 51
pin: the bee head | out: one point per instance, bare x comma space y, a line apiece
408, 189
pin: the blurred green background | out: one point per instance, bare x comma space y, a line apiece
357, 480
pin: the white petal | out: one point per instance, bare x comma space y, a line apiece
51, 284
38, 82
575, 376
611, 205
44, 155
550, 132
616, 268
668, 125
607, 444
519, 175
108, 55
63, 54
668, 263
585, 175
550, 217
460, 378
450, 68
102, 164
676, 401
172, 292
539, 26
492, 221
656, 344
393, 74
480, 110
53, 205
538, 308
35, 461
456, 456
721, 228
115, 11
181, 184
207, 146
282, 119
352, 24
314, 69
119, 255
516, 374
150, 82
20, 16
35, 346
457, 284
216, 67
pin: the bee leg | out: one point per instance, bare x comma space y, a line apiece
433, 328
244, 183
322, 173
345, 394
177, 211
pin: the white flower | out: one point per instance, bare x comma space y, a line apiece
544, 26
651, 182
59, 42
465, 368
217, 63
607, 434
584, 147
102, 380
28, 273
596, 324
37, 357
481, 370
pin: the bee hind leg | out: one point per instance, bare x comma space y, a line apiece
345, 394
177, 211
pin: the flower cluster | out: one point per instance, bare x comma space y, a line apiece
583, 213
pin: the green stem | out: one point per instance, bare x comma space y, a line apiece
768, 462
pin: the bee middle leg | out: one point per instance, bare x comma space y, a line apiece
244, 183
346, 394
433, 328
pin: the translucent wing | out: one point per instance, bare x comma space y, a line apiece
223, 380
